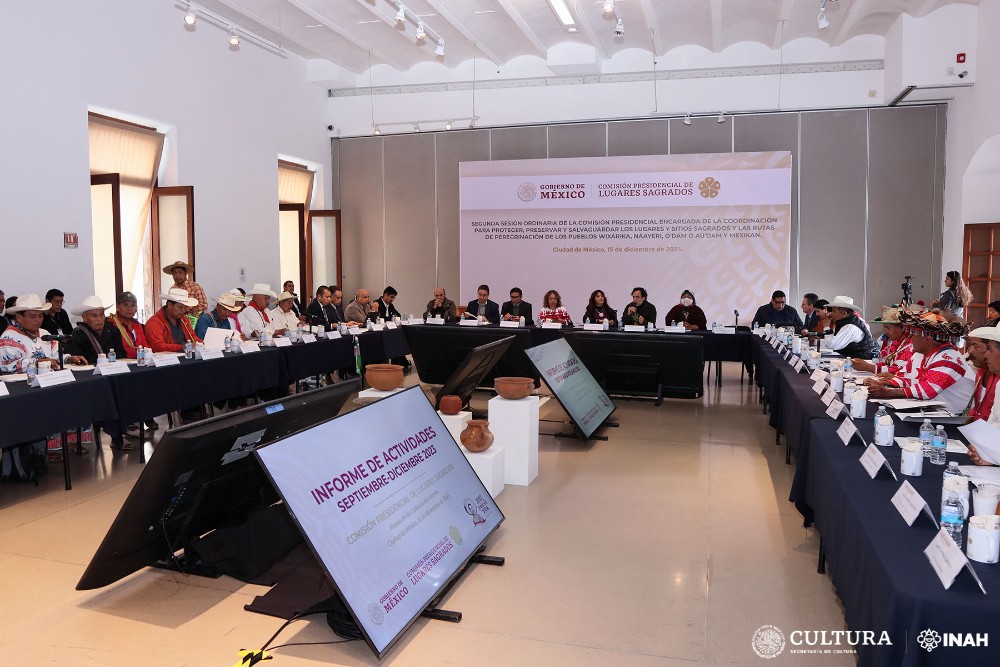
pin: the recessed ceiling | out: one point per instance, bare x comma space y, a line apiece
348, 32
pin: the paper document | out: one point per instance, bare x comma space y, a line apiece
954, 446
216, 338
986, 438
908, 403
981, 474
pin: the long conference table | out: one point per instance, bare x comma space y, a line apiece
876, 561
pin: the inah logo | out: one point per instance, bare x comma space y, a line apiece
526, 191
768, 641
929, 640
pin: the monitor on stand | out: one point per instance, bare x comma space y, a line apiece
470, 373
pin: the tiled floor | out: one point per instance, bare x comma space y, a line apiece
670, 544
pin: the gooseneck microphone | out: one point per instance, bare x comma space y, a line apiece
737, 314
57, 337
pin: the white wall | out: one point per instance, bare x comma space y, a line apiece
228, 115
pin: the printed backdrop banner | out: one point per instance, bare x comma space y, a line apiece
716, 224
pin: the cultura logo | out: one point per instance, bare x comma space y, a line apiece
768, 641
526, 191
709, 188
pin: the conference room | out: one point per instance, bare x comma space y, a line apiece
656, 153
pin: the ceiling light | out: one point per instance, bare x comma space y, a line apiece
378, 130
401, 15
619, 29
472, 123
416, 127
608, 7
821, 21
234, 39
563, 13
447, 125
421, 33
687, 119
439, 51
191, 17
721, 118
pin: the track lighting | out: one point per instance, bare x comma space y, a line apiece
447, 125
687, 119
619, 29
416, 127
421, 33
721, 118
191, 17
472, 124
608, 7
378, 130
821, 21
439, 51
234, 39
401, 15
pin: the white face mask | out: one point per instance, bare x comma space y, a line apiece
687, 302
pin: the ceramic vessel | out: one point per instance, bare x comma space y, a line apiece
513, 388
384, 377
450, 405
477, 436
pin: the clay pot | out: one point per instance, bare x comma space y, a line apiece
384, 377
514, 388
450, 405
477, 437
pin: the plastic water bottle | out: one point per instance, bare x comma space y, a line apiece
952, 471
586, 320
951, 517
881, 412
713, 325
926, 436
188, 349
939, 446
31, 370
112, 357
848, 369
756, 325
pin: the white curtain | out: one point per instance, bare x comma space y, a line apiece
295, 184
133, 152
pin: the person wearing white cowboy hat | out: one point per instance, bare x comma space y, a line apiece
895, 347
255, 319
990, 335
91, 337
21, 343
851, 337
180, 271
943, 373
168, 329
223, 316
282, 315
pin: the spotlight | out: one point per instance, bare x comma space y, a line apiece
608, 7
421, 33
439, 51
401, 15
191, 17
378, 130
447, 125
472, 124
821, 22
687, 119
234, 39
619, 29
416, 127
721, 118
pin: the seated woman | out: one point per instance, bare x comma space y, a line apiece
553, 310
687, 313
598, 311
993, 314
895, 348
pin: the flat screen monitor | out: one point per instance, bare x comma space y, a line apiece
389, 505
573, 385
202, 477
470, 373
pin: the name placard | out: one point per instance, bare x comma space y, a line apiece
551, 325
948, 560
846, 431
819, 386
873, 461
113, 368
819, 374
308, 338
355, 331
3, 389
165, 359
208, 353
282, 342
390, 325
435, 320
469, 322
378, 327
413, 320
909, 503
828, 396
593, 326
635, 328
836, 407
249, 346
333, 335
798, 365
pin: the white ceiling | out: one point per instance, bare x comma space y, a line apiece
349, 32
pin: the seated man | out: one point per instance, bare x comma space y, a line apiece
169, 329
981, 406
56, 319
895, 348
481, 307
129, 329
990, 335
810, 321
851, 337
441, 306
21, 344
91, 336
516, 307
360, 310
283, 315
777, 313
386, 310
943, 373
223, 316
289, 287
254, 319
320, 313
640, 312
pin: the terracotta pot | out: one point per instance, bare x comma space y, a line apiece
477, 437
384, 377
514, 388
450, 405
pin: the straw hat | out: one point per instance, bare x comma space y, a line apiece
178, 295
843, 302
890, 315
284, 296
178, 265
92, 302
29, 302
231, 302
262, 288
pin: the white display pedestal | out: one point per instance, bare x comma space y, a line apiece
514, 425
456, 424
374, 394
489, 466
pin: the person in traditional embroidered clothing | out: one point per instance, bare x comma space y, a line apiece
598, 311
895, 348
91, 336
21, 343
851, 337
255, 319
942, 374
169, 329
981, 405
553, 310
282, 315
687, 313
990, 335
129, 329
180, 271
223, 316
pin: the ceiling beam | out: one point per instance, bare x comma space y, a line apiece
591, 32
716, 18
851, 17
519, 21
468, 34
330, 25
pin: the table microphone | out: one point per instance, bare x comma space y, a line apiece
57, 337
737, 314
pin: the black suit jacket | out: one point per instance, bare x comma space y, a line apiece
314, 315
386, 311
810, 320
524, 310
492, 310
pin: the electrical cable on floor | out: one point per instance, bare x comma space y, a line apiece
349, 634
